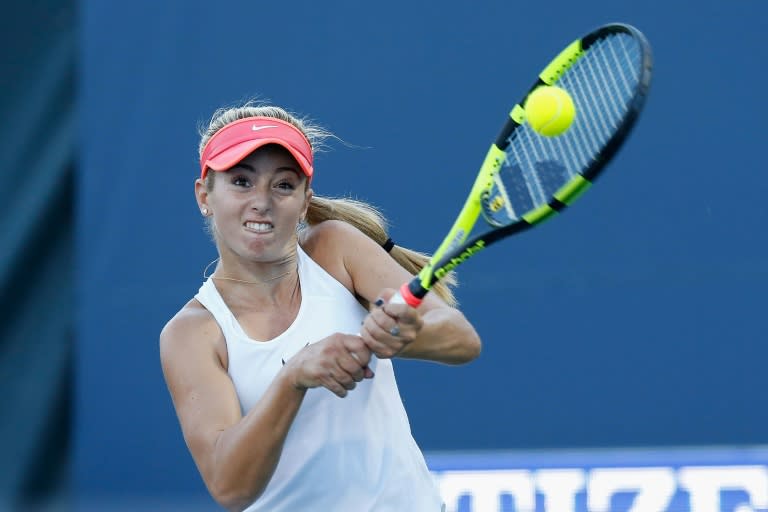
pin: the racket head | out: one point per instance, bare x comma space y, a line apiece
526, 177
607, 73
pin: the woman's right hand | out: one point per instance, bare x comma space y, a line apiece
337, 363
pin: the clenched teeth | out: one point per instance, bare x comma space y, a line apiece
258, 226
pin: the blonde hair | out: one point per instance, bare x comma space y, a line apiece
363, 216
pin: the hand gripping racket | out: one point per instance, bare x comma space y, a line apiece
526, 177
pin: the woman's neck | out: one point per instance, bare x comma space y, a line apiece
265, 280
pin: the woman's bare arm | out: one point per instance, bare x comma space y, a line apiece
434, 331
235, 454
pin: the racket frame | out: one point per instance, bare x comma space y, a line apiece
457, 247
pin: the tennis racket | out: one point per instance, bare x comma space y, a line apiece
527, 178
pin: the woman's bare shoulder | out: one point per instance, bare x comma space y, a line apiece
191, 330
327, 233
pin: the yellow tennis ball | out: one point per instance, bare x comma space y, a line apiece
549, 110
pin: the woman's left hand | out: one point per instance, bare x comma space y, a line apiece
390, 328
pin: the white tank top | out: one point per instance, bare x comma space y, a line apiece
341, 454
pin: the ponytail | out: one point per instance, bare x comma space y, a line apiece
371, 222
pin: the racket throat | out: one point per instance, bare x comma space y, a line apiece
448, 263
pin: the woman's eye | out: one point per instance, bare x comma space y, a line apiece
285, 185
240, 181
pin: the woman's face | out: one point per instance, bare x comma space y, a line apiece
257, 204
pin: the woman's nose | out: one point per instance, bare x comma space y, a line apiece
260, 199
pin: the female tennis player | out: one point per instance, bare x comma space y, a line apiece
280, 366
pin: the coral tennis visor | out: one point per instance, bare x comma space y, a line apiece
237, 140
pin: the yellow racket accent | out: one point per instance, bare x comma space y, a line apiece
571, 191
539, 214
552, 73
517, 114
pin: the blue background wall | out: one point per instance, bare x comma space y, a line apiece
636, 319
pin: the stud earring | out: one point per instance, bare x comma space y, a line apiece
205, 211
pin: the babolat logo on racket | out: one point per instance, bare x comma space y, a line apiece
461, 258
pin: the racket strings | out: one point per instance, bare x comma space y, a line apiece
602, 84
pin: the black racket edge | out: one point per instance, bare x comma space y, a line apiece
479, 242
